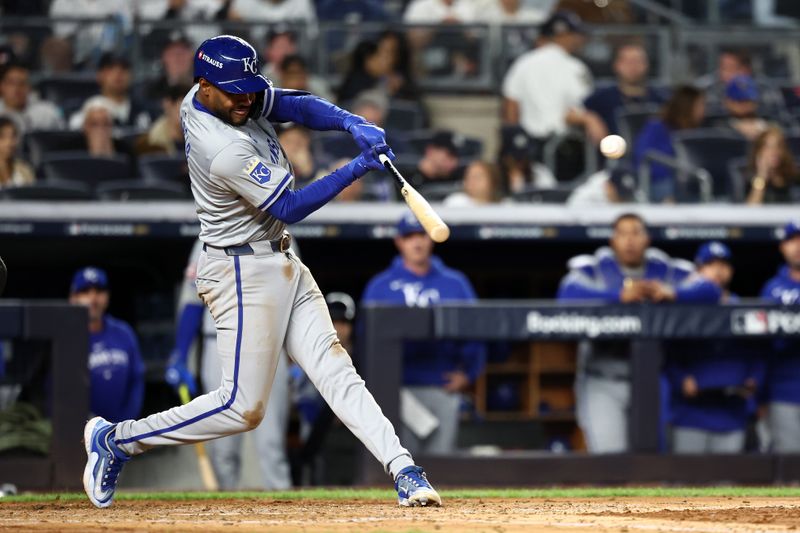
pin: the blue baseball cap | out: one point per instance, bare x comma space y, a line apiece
562, 22
408, 225
791, 230
712, 251
742, 88
89, 277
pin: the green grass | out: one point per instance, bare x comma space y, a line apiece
387, 494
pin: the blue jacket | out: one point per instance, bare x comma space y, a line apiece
715, 366
783, 373
654, 136
425, 363
599, 277
117, 372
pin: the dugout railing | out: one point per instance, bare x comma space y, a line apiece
646, 326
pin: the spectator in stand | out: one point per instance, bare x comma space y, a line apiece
627, 272
98, 127
293, 74
631, 88
773, 169
481, 186
684, 110
712, 382
783, 369
177, 65
301, 11
606, 187
185, 10
116, 368
393, 47
353, 192
370, 67
56, 57
114, 79
434, 373
93, 39
279, 44
18, 102
513, 11
296, 142
440, 12
734, 62
438, 163
545, 88
352, 11
14, 172
741, 103
165, 136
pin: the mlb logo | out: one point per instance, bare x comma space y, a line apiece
258, 171
747, 322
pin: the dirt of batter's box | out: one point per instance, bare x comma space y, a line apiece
478, 515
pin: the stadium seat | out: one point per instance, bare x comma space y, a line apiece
404, 116
737, 168
123, 190
436, 192
164, 168
40, 143
468, 147
57, 190
81, 167
631, 120
712, 149
60, 88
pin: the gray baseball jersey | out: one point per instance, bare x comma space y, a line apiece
236, 174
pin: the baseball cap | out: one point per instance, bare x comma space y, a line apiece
742, 88
625, 182
341, 306
791, 230
712, 251
562, 22
408, 225
109, 59
89, 277
446, 140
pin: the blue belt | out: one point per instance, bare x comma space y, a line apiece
278, 246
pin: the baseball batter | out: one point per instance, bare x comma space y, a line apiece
262, 297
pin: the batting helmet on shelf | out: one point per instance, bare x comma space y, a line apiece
231, 64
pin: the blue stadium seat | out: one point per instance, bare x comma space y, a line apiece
81, 167
712, 149
164, 168
40, 143
55, 190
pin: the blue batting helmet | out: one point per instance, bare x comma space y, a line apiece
231, 64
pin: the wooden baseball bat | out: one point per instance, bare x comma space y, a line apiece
429, 219
203, 462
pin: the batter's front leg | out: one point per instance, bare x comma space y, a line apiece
311, 341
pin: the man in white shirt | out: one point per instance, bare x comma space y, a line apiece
545, 88
19, 104
440, 11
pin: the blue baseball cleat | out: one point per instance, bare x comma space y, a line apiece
103, 463
414, 489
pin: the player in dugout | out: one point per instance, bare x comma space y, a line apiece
713, 382
627, 271
782, 387
115, 363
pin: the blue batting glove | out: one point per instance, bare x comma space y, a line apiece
368, 159
177, 374
367, 135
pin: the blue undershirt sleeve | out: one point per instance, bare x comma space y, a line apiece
293, 206
188, 325
310, 111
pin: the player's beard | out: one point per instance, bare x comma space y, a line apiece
238, 119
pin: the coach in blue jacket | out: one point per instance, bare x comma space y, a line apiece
115, 364
435, 373
783, 374
713, 382
628, 271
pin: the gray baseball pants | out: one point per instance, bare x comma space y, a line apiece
262, 303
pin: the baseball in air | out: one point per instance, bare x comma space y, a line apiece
613, 146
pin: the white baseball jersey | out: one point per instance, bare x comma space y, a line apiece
236, 174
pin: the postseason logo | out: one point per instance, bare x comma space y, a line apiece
765, 322
258, 171
209, 60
